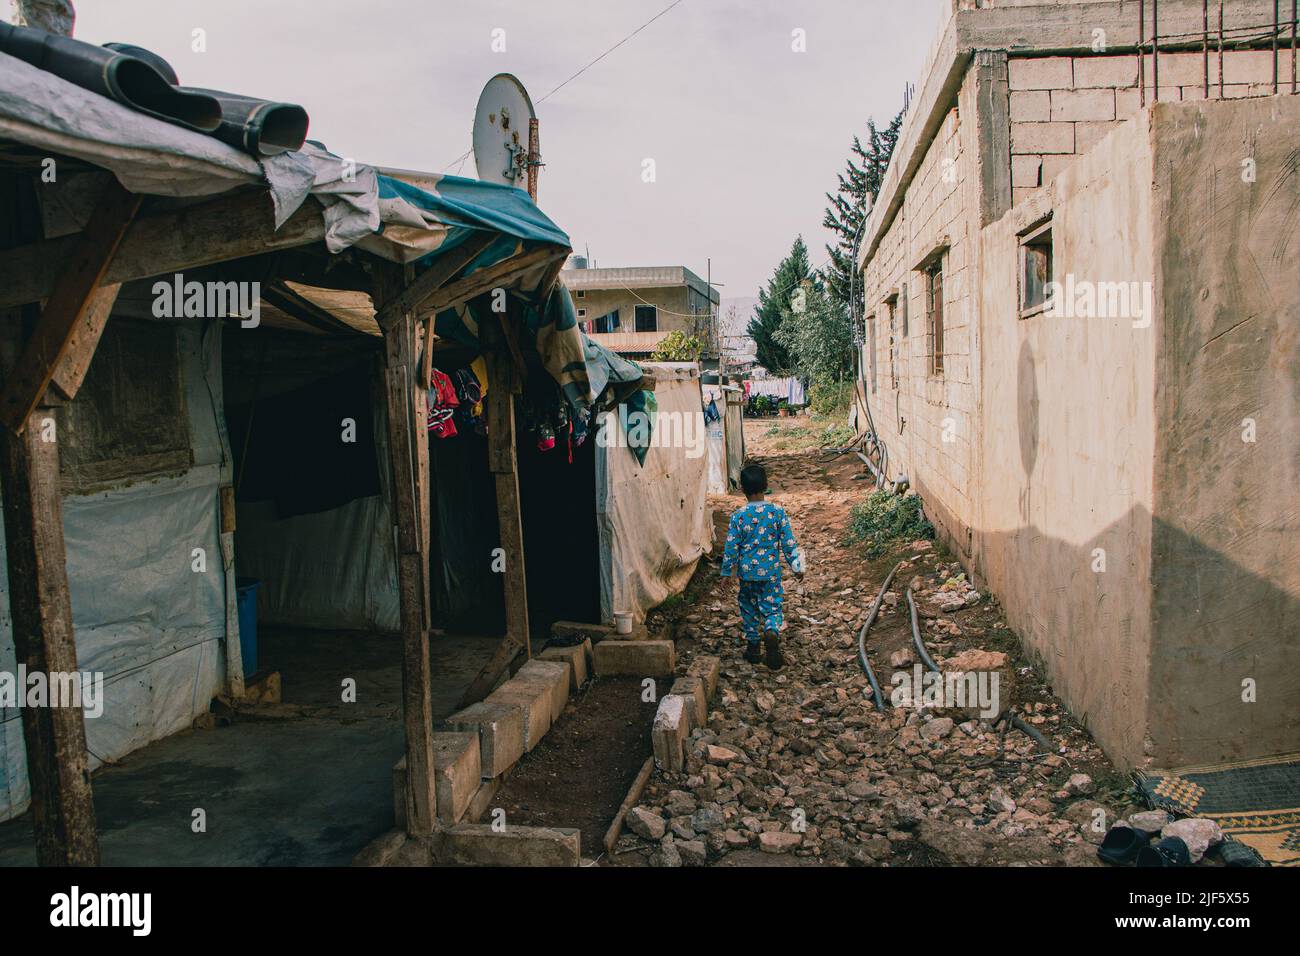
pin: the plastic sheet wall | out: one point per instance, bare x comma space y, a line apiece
653, 519
143, 617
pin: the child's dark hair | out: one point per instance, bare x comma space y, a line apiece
753, 479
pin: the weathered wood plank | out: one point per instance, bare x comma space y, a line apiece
444, 267
63, 810
56, 334
165, 242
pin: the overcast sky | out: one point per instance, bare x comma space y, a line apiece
746, 134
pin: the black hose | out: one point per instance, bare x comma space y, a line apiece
916, 636
877, 696
1033, 732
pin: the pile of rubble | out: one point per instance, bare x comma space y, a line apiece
799, 761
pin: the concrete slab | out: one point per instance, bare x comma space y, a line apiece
534, 700
500, 730
478, 844
691, 690
620, 658
668, 735
707, 669
456, 773
577, 656
592, 632
554, 675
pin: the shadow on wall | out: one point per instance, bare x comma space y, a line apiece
1204, 681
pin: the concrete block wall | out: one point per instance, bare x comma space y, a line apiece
1061, 106
927, 421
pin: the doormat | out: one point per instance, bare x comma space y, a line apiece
1254, 801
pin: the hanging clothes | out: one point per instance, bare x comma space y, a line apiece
442, 405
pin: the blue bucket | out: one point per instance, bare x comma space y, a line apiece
246, 601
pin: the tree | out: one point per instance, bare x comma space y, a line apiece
817, 335
773, 302
863, 175
678, 346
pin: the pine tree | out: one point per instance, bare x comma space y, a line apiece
863, 175
774, 302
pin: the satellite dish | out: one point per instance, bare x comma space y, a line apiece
501, 126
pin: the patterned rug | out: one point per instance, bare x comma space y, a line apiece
1255, 801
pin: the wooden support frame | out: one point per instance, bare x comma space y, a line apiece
434, 278
75, 313
406, 406
63, 809
504, 383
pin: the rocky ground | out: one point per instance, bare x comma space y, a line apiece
798, 762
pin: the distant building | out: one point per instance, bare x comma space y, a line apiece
631, 310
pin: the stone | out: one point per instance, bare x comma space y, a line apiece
595, 633
778, 842
666, 855
1080, 785
1197, 832
707, 669
554, 676
668, 734
1040, 73
1083, 105
536, 703
577, 656
646, 823
900, 659
720, 755
620, 658
1040, 138
937, 729
1152, 821
692, 852
708, 820
500, 730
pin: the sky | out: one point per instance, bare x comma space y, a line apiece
746, 134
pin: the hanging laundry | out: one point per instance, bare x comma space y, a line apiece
442, 405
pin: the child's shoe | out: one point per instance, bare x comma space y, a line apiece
772, 643
752, 652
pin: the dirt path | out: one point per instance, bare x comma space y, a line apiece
802, 763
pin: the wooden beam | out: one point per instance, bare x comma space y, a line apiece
404, 431
65, 313
71, 371
304, 310
432, 279
164, 242
485, 280
503, 385
63, 810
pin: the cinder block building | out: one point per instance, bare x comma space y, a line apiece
1081, 348
631, 310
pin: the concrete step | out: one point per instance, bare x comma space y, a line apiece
554, 675
480, 844
577, 656
534, 699
456, 777
500, 730
622, 658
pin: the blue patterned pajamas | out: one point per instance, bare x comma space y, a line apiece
758, 536
760, 608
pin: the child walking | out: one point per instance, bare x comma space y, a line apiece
759, 533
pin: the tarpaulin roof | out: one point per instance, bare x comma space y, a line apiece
361, 207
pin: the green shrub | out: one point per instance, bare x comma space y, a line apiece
885, 519
830, 398
677, 346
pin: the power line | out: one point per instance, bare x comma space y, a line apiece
465, 155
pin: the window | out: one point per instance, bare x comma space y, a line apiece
582, 293
581, 313
902, 301
934, 314
1035, 268
607, 322
871, 345
892, 305
647, 318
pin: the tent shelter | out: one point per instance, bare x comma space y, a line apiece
159, 425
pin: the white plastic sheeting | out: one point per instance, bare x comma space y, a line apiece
143, 617
653, 519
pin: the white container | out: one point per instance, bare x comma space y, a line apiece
623, 623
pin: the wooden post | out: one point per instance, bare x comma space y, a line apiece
62, 807
410, 480
503, 384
